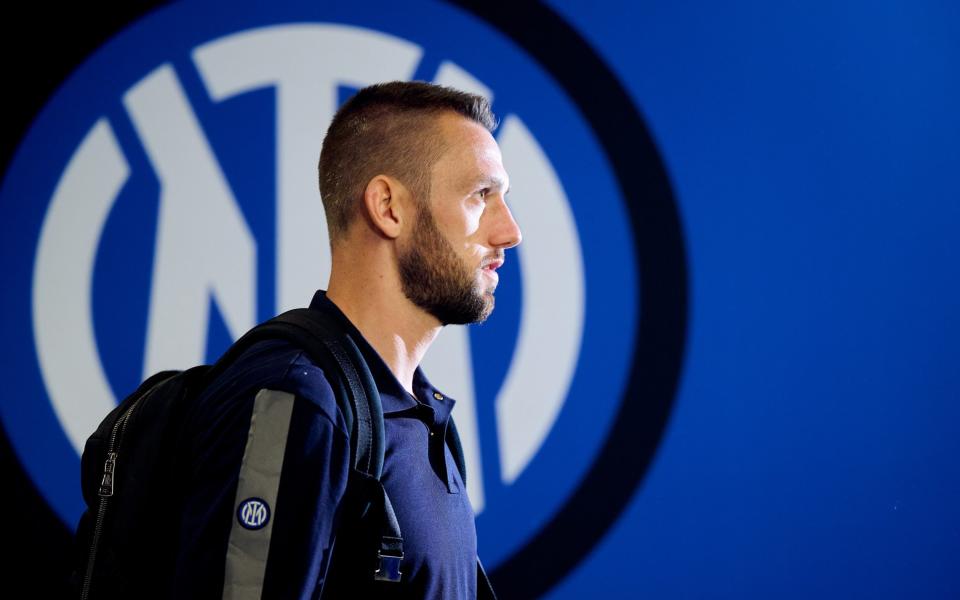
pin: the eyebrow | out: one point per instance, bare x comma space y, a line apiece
493, 182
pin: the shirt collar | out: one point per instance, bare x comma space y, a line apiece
392, 395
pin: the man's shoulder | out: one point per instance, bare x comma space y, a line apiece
280, 366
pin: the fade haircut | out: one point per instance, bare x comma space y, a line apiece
388, 129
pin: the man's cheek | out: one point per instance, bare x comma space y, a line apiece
473, 225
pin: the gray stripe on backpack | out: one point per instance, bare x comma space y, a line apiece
256, 496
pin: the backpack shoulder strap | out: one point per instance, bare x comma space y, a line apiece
329, 345
305, 328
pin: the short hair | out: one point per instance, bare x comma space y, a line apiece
386, 129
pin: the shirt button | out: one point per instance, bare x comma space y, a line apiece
438, 395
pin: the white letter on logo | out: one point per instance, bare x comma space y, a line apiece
306, 64
204, 247
548, 345
62, 278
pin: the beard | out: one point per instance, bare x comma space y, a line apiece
437, 280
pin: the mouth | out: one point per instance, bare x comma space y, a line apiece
489, 269
492, 265
492, 262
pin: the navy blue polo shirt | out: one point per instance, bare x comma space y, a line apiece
269, 458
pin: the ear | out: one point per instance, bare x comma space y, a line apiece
383, 201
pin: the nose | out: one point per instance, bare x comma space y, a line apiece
505, 232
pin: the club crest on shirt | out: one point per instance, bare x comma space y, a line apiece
253, 513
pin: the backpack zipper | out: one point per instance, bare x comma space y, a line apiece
106, 488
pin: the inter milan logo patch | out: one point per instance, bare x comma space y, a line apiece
253, 513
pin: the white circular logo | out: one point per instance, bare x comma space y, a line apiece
206, 251
175, 205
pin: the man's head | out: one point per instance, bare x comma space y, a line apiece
388, 128
417, 165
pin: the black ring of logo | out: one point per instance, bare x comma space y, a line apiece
660, 252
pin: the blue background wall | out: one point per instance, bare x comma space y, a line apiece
813, 445
813, 153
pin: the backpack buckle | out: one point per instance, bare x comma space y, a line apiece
389, 567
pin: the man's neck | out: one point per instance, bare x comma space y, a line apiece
398, 330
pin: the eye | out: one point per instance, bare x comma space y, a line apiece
483, 193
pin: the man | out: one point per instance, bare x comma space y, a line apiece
413, 186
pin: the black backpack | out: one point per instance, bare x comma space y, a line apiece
129, 465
